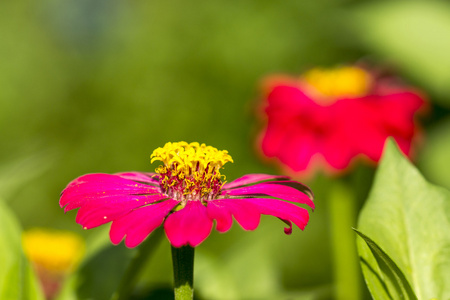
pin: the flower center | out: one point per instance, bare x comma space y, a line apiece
339, 82
190, 171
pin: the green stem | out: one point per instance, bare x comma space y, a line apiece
183, 272
347, 273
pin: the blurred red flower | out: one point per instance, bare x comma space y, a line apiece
326, 118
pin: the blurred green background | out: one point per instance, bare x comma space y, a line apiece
94, 86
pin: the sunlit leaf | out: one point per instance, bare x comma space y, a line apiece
409, 219
17, 281
390, 276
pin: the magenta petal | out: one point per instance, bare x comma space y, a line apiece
92, 186
96, 200
103, 180
288, 230
152, 178
283, 210
278, 189
337, 152
190, 225
288, 100
107, 209
273, 137
299, 148
244, 213
222, 215
251, 178
139, 223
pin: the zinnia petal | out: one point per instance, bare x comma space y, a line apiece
139, 223
92, 186
151, 178
188, 226
338, 117
250, 179
222, 211
298, 150
103, 210
283, 210
279, 189
287, 100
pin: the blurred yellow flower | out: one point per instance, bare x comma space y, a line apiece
54, 254
57, 251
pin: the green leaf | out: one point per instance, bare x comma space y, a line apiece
101, 273
392, 278
144, 252
109, 271
413, 34
17, 280
409, 219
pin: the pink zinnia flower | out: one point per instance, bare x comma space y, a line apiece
185, 195
328, 117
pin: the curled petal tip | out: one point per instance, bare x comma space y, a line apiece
287, 230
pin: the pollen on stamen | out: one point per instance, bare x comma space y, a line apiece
190, 170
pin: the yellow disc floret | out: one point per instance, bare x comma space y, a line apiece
190, 170
339, 82
55, 251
